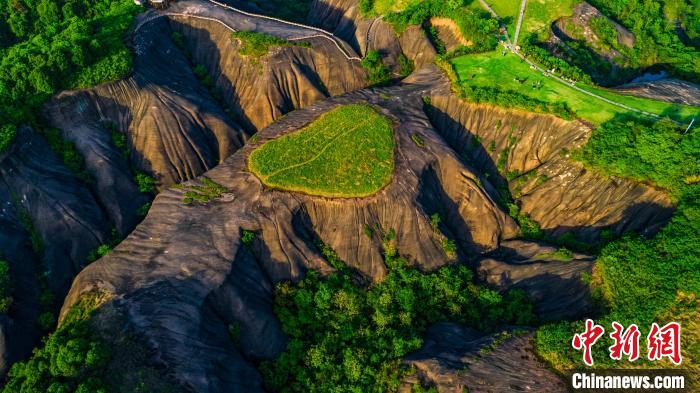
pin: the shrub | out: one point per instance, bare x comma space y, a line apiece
204, 193
406, 65
143, 209
377, 71
247, 237
71, 359
79, 46
256, 45
8, 132
146, 184
531, 47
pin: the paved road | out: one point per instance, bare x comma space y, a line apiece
520, 22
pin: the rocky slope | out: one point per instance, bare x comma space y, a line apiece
456, 359
192, 255
175, 130
343, 18
671, 90
50, 222
533, 151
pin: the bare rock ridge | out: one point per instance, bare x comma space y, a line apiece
193, 252
192, 255
175, 130
455, 357
552, 277
45, 205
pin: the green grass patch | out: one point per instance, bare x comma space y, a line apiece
257, 45
561, 254
346, 152
509, 73
201, 193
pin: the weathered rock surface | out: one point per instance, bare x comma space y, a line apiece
344, 19
62, 211
454, 357
671, 90
38, 191
552, 278
191, 254
175, 127
18, 329
557, 192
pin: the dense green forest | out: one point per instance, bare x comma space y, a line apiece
666, 33
349, 335
641, 280
47, 45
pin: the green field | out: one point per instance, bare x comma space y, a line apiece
494, 70
538, 13
347, 152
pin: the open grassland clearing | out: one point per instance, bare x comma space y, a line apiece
492, 69
347, 152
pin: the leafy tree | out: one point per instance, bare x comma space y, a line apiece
377, 71
345, 337
71, 359
7, 135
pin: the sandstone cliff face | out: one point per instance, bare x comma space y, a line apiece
343, 18
175, 127
557, 192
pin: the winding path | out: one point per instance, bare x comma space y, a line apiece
190, 12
